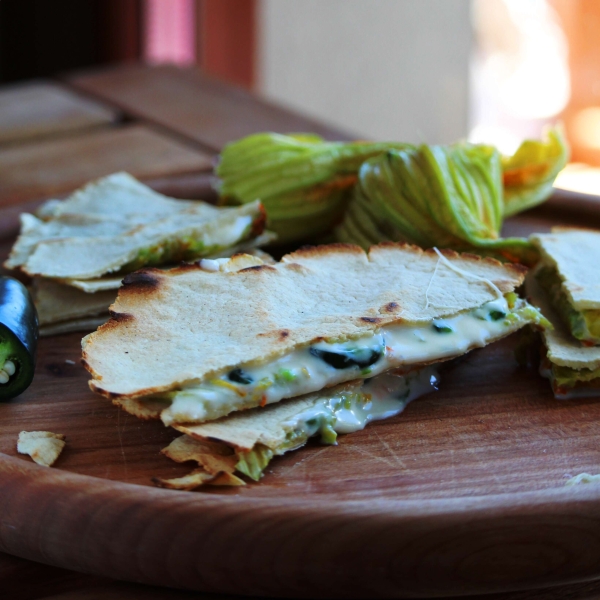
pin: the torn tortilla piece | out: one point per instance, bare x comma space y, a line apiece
216, 464
191, 481
44, 447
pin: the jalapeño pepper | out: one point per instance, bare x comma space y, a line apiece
18, 338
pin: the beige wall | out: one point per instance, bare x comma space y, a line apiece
383, 69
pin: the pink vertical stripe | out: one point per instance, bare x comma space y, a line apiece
169, 31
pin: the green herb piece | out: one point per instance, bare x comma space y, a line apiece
496, 315
285, 375
443, 328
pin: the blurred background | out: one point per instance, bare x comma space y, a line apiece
431, 71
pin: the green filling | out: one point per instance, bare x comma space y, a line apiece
584, 325
255, 461
566, 377
174, 250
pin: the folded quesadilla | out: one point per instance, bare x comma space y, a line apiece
78, 250
569, 277
573, 368
200, 344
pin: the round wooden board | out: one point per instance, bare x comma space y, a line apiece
461, 494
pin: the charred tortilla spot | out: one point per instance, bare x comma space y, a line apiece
370, 319
391, 307
120, 317
284, 333
257, 268
145, 280
295, 267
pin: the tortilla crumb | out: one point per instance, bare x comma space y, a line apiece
583, 478
44, 447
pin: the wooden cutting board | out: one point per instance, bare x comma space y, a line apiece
461, 494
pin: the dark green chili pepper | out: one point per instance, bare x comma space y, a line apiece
18, 338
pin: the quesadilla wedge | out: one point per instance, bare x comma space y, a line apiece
572, 367
210, 343
568, 275
246, 441
117, 225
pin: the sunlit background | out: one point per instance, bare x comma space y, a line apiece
493, 71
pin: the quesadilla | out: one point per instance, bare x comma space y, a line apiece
568, 276
572, 367
111, 227
209, 343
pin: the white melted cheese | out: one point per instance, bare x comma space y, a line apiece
305, 370
381, 397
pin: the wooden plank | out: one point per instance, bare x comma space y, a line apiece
61, 165
42, 108
194, 105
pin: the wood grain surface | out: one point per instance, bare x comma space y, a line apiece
24, 580
42, 108
192, 104
60, 165
461, 494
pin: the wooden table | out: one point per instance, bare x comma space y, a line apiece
165, 126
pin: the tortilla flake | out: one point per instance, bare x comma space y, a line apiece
216, 464
44, 447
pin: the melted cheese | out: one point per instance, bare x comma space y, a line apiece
381, 397
305, 370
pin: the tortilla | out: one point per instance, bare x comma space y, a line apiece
575, 253
84, 257
117, 194
117, 222
562, 348
85, 324
114, 283
185, 325
56, 303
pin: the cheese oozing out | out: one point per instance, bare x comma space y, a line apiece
324, 364
343, 411
379, 398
